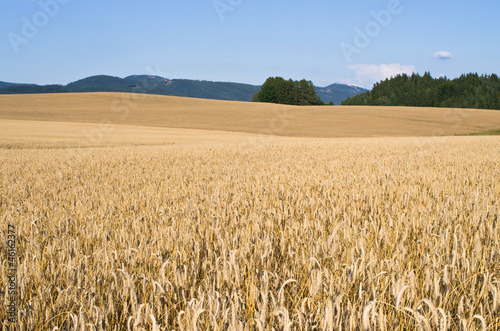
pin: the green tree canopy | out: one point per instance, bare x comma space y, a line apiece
289, 92
467, 91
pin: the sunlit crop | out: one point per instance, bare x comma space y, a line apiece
351, 234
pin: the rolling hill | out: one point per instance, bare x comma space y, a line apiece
244, 117
5, 84
174, 87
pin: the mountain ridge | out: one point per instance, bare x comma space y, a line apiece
150, 84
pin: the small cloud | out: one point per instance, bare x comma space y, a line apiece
443, 55
368, 74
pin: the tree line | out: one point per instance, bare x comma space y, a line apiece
288, 92
467, 91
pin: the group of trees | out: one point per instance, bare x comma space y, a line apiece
289, 92
467, 91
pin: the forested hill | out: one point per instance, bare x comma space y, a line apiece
144, 84
5, 84
175, 87
467, 91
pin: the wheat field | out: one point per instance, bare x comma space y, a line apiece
141, 228
247, 117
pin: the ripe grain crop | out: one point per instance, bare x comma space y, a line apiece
351, 234
248, 117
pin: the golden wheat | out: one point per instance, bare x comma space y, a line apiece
287, 235
250, 117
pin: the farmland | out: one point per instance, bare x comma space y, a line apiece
189, 219
256, 118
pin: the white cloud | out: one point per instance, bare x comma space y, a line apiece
368, 74
443, 55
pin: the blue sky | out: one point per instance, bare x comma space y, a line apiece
326, 41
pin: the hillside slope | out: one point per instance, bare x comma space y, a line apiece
269, 119
5, 84
175, 87
338, 92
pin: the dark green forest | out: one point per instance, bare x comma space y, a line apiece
31, 89
288, 92
467, 91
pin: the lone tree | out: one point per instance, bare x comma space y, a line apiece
288, 92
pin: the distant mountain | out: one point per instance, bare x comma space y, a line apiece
5, 84
100, 83
32, 89
193, 88
175, 87
162, 86
151, 80
338, 92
